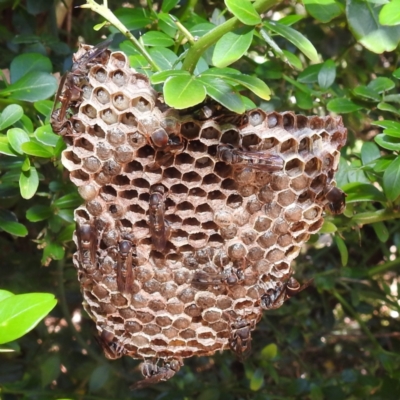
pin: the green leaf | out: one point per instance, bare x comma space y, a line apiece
166, 24
369, 152
392, 132
72, 200
168, 5
292, 59
10, 115
257, 380
50, 369
244, 11
327, 74
392, 98
390, 13
303, 100
37, 150
323, 10
52, 251
387, 142
5, 147
388, 124
26, 165
16, 137
66, 234
28, 183
328, 227
183, 91
99, 377
381, 84
223, 93
381, 231
13, 228
396, 73
231, 47
133, 18
295, 37
38, 213
357, 191
363, 21
154, 38
269, 352
31, 87
388, 107
342, 106
366, 93
310, 74
164, 58
290, 19
21, 313
391, 180
4, 294
344, 254
44, 134
29, 62
162, 76
44, 107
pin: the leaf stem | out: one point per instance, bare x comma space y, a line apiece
108, 15
210, 38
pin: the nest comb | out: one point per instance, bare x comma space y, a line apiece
189, 225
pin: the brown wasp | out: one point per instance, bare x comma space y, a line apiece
112, 349
153, 373
72, 92
336, 199
260, 160
125, 263
240, 336
87, 245
274, 298
158, 226
230, 276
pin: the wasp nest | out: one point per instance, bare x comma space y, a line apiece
189, 225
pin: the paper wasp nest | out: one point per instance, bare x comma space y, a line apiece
189, 225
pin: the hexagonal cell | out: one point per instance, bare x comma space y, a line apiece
102, 179
79, 177
289, 121
280, 182
275, 255
185, 207
256, 117
190, 130
316, 226
250, 140
91, 164
338, 138
87, 192
128, 119
145, 153
302, 121
204, 209
210, 133
140, 183
104, 150
274, 120
313, 167
87, 91
102, 95
316, 123
119, 77
196, 148
262, 224
318, 183
121, 180
111, 168
83, 143
305, 196
223, 170
178, 189
294, 167
325, 136
330, 123
109, 116
312, 213
234, 201
99, 73
96, 130
286, 198
69, 157
118, 59
229, 184
116, 210
269, 143
89, 111
142, 103
211, 180
120, 101
140, 80
289, 146
77, 125
298, 227
172, 174
305, 145
231, 136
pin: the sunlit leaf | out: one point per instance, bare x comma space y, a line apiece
391, 180
28, 183
390, 13
10, 115
244, 11
327, 74
183, 91
323, 10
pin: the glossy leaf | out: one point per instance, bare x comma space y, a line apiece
29, 62
28, 183
33, 86
21, 313
154, 38
328, 227
381, 231
5, 147
10, 115
388, 124
364, 22
166, 24
244, 11
133, 18
16, 137
344, 254
44, 134
388, 107
162, 76
323, 10
223, 93
391, 180
37, 150
310, 74
183, 91
396, 73
257, 380
381, 84
388, 142
4, 294
366, 93
295, 37
38, 213
71, 200
168, 5
362, 192
342, 106
269, 352
292, 59
53, 251
369, 152
327, 74
44, 107
303, 100
13, 228
390, 13
231, 47
164, 58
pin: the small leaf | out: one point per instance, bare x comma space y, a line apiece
292, 60
323, 10
154, 38
166, 24
28, 183
381, 84
391, 180
29, 62
252, 83
387, 124
303, 100
16, 137
344, 254
381, 231
295, 37
269, 352
99, 377
133, 18
396, 73
52, 251
72, 200
44, 107
328, 227
168, 5
13, 228
388, 107
162, 76
387, 142
369, 152
21, 313
31, 87
44, 134
390, 13
38, 213
10, 115
26, 165
366, 93
357, 191
310, 74
244, 11
164, 58
327, 74
342, 106
97, 27
392, 132
37, 150
231, 47
257, 380
183, 91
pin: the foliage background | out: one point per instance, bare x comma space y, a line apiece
337, 340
